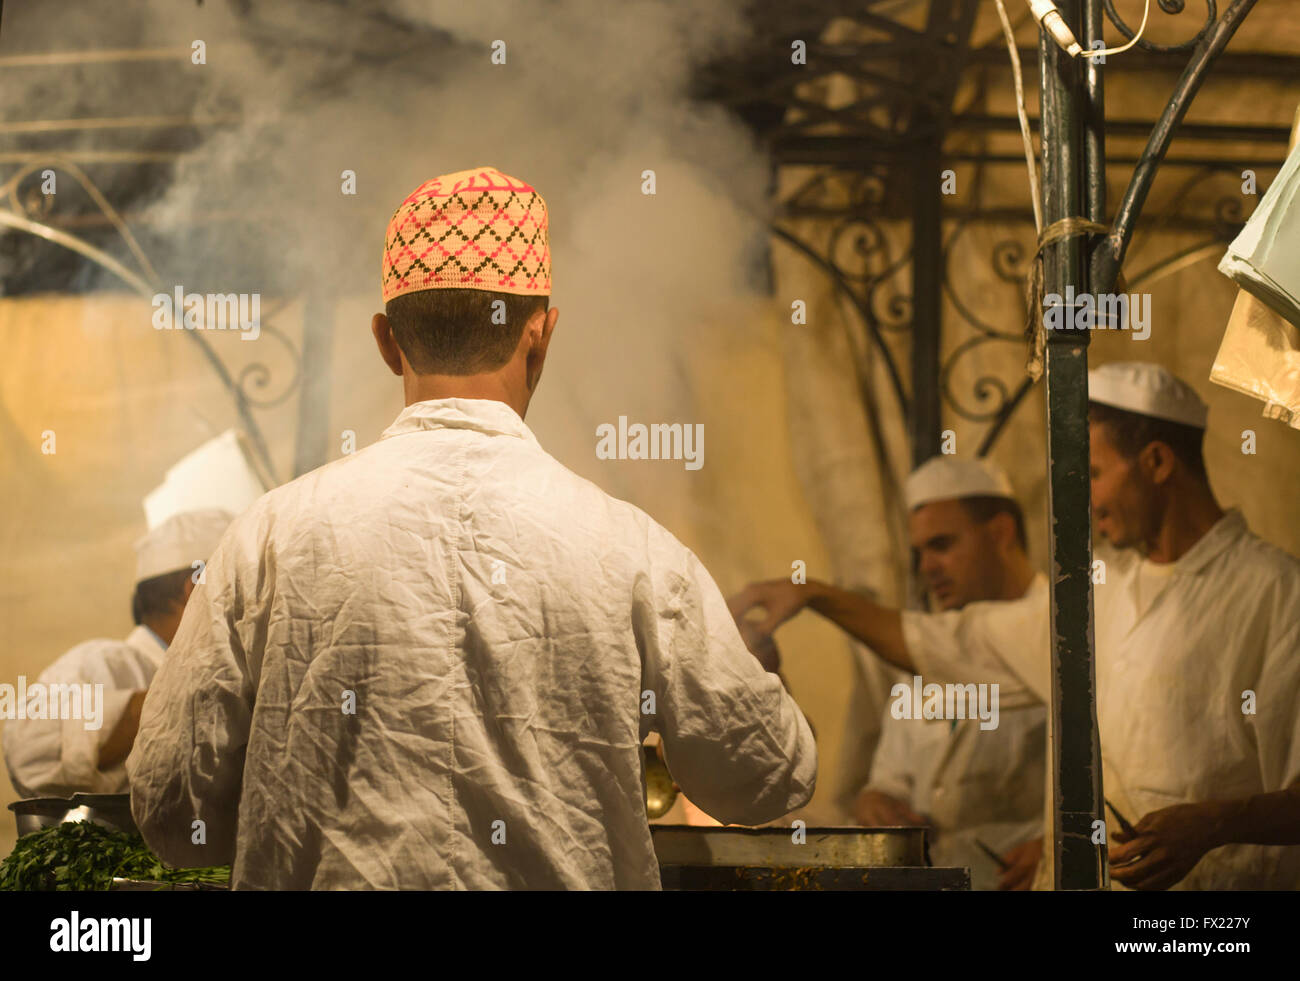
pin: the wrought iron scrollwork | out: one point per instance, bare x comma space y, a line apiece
858, 258
258, 375
1168, 7
850, 287
865, 243
993, 396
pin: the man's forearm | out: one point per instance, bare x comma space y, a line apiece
879, 627
1263, 819
117, 745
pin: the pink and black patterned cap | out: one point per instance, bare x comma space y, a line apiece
474, 229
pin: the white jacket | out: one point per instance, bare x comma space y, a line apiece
432, 665
60, 757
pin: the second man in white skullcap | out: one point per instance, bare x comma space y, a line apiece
974, 783
60, 757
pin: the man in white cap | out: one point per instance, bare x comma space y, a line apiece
58, 757
976, 784
1198, 641
432, 664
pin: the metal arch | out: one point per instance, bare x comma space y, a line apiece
1227, 220
1110, 254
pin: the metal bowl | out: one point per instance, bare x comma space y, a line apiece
112, 811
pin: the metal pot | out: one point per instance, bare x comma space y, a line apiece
112, 811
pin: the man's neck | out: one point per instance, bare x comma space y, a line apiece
1019, 576
1191, 513
495, 386
163, 629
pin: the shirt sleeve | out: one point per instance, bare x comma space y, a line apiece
188, 760
734, 739
1002, 643
892, 770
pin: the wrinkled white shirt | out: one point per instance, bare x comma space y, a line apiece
1171, 683
509, 633
60, 757
976, 785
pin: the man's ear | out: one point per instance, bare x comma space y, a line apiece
388, 349
1003, 528
1158, 461
178, 606
537, 350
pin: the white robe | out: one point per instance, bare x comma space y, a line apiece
1171, 683
60, 757
976, 785
508, 633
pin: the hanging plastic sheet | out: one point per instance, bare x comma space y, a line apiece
1260, 357
1260, 353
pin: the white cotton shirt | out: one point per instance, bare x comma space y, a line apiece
1171, 683
60, 757
976, 785
432, 664
1149, 581
1171, 686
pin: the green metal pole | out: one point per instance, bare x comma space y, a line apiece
1078, 852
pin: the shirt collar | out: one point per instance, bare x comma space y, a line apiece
148, 643
1226, 531
480, 415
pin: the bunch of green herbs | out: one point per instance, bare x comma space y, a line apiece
81, 856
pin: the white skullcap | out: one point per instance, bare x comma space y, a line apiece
1147, 389
179, 542
943, 477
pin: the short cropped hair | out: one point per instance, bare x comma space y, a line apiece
1132, 432
159, 596
459, 331
985, 508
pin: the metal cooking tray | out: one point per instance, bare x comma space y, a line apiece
774, 848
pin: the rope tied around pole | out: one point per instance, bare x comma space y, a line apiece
1035, 332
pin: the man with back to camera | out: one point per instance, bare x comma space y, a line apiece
432, 664
1197, 653
974, 785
